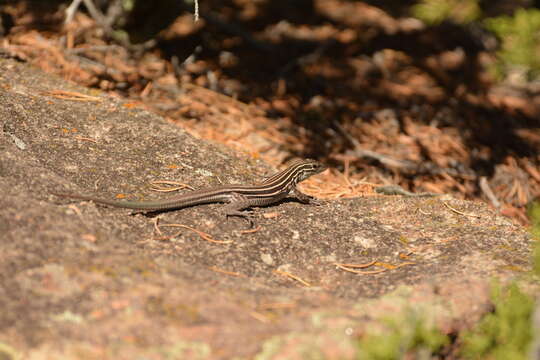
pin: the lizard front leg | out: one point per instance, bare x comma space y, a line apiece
237, 207
305, 198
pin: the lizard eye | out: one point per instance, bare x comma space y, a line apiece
319, 167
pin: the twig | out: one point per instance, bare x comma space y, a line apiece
262, 318
97, 15
360, 272
426, 167
383, 159
291, 276
250, 231
357, 266
71, 95
156, 225
531, 170
484, 186
114, 11
459, 212
70, 11
385, 266
393, 267
398, 190
179, 186
231, 273
196, 12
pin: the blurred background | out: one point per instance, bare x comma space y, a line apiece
438, 96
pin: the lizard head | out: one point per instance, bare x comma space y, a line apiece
307, 168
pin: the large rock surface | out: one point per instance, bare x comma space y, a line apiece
83, 281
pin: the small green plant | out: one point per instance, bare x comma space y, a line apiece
520, 41
436, 11
506, 333
519, 34
411, 335
533, 212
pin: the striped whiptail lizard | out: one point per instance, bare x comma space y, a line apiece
238, 197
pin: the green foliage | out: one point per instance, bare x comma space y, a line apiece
520, 40
128, 5
506, 333
519, 34
408, 336
436, 11
533, 212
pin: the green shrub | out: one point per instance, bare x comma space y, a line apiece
506, 333
533, 212
520, 41
409, 336
436, 11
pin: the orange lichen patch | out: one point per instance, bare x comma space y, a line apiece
131, 105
